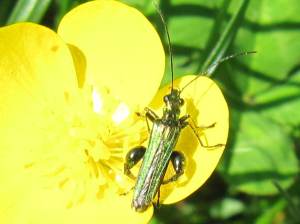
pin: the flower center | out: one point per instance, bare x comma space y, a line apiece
87, 146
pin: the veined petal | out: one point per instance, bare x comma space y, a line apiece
205, 103
122, 49
36, 78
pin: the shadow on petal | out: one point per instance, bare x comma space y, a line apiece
79, 64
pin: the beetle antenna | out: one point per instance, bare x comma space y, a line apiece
168, 38
213, 66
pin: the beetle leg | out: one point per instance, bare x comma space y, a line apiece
132, 158
150, 114
202, 127
158, 197
183, 121
200, 141
178, 162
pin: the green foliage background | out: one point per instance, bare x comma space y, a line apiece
258, 178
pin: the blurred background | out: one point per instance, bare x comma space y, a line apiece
257, 180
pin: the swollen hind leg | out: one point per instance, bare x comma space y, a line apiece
178, 163
132, 158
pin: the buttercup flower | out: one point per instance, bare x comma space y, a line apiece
68, 117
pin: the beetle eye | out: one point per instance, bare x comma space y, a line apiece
181, 101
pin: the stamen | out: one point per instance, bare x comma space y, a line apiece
91, 147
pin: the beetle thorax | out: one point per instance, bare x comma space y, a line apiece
173, 103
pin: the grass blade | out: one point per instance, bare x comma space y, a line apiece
226, 38
28, 10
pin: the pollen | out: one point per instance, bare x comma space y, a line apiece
94, 134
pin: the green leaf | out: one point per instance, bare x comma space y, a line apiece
225, 39
262, 153
145, 6
5, 8
269, 81
269, 214
227, 208
189, 24
281, 101
28, 10
198, 35
292, 207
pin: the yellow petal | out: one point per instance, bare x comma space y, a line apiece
37, 83
116, 209
48, 207
205, 103
123, 52
36, 76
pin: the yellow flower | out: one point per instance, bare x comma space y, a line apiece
68, 103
